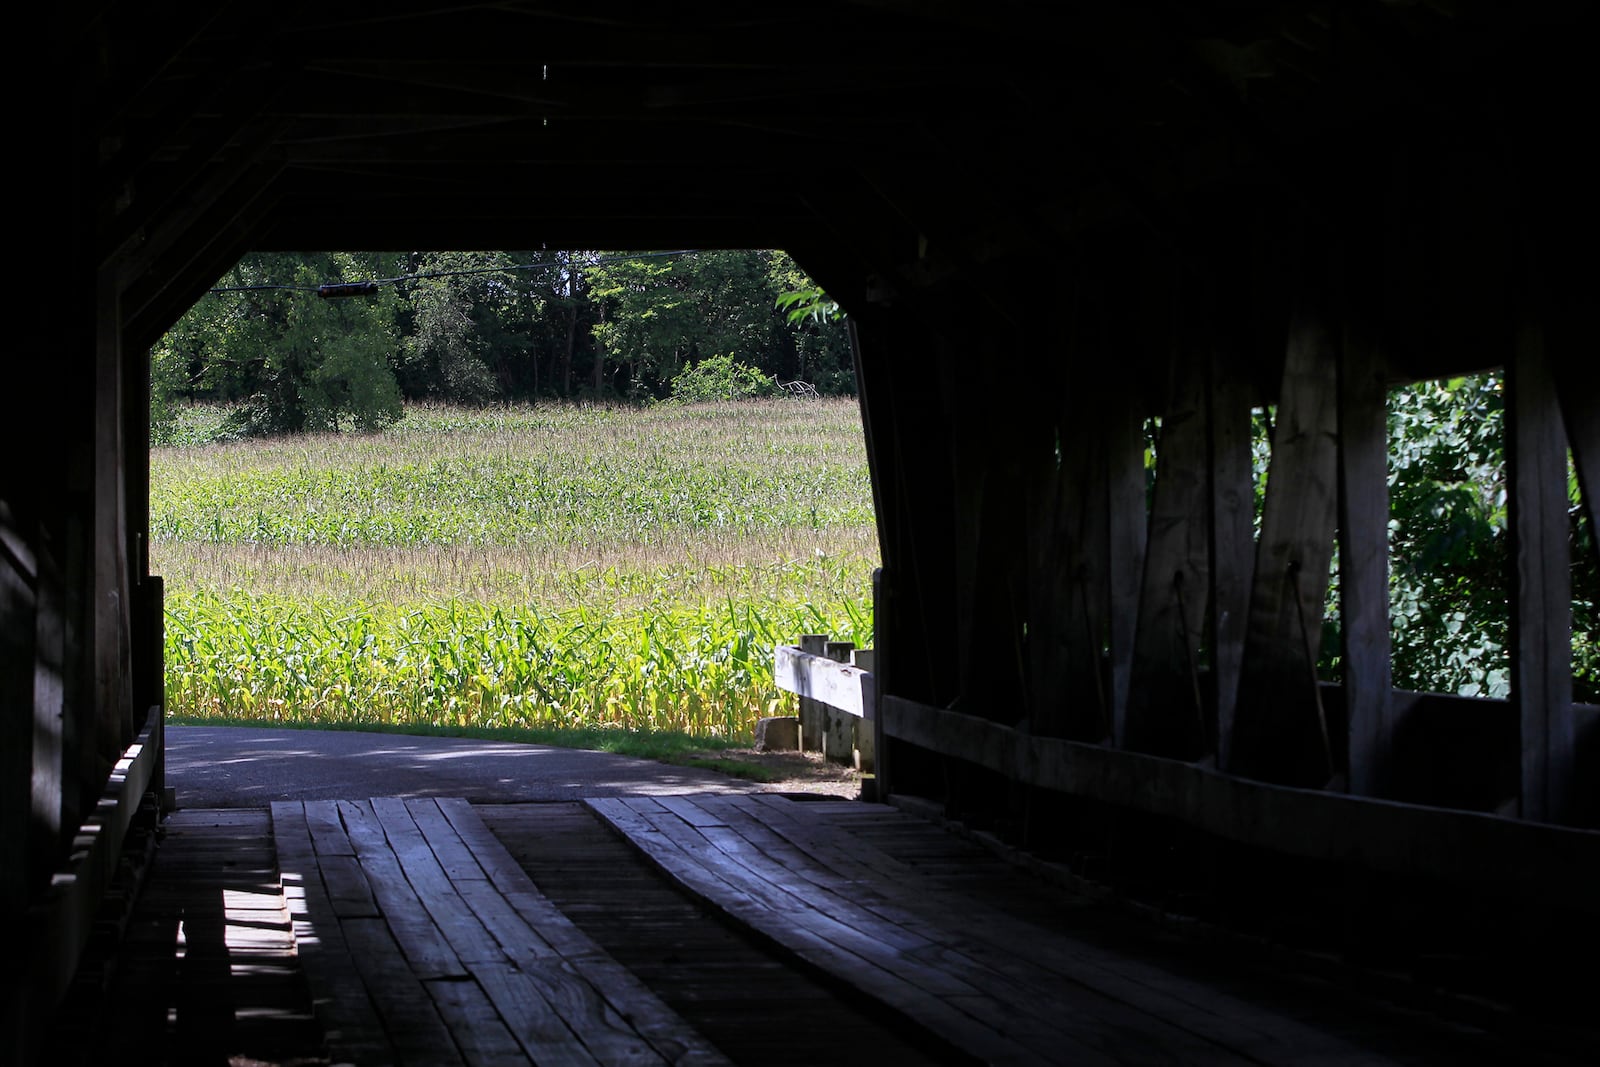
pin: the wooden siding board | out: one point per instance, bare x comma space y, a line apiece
1165, 713
1541, 587
1279, 732
1381, 835
1232, 540
1364, 559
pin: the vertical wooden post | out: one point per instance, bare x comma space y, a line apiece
1165, 715
1541, 580
863, 742
113, 714
1279, 732
812, 725
838, 730
881, 780
1364, 557
1232, 542
1127, 528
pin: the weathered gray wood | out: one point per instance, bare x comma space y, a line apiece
819, 678
1279, 733
547, 932
1000, 986
537, 1026
1232, 541
425, 946
410, 1015
1399, 838
480, 1034
58, 926
662, 846
1364, 558
328, 836
1127, 530
349, 1021
812, 723
1165, 712
1541, 585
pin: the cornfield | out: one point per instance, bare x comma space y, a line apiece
516, 567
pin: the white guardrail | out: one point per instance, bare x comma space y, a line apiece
838, 697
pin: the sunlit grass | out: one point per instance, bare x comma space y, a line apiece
535, 567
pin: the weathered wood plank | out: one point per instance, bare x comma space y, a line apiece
1541, 584
1127, 531
348, 1019
448, 849
328, 834
1165, 714
1364, 558
410, 1015
480, 1034
1386, 836
1232, 541
58, 926
1003, 989
427, 948
548, 933
461, 929
1279, 733
818, 678
657, 844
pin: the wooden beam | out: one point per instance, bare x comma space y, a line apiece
1232, 512
1279, 732
1558, 866
1166, 715
1364, 558
841, 686
1541, 580
1127, 522
57, 927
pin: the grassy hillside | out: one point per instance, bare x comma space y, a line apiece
521, 567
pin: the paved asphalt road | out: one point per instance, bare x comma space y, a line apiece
236, 767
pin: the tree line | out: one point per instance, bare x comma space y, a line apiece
487, 327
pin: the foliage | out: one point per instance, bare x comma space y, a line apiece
484, 327
289, 361
1447, 537
720, 378
1449, 579
537, 566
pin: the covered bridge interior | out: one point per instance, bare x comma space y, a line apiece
1119, 212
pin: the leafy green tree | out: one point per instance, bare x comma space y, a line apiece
291, 361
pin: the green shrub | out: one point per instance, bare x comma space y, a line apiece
721, 378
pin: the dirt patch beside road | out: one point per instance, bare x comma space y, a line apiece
788, 772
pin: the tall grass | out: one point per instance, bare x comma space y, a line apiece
514, 567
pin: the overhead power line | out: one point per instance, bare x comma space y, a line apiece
334, 290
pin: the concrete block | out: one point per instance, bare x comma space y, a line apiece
780, 733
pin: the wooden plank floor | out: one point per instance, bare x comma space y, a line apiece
926, 926
425, 942
411, 932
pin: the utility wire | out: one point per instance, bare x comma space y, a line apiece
371, 285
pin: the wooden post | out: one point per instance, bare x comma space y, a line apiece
812, 724
881, 783
1279, 732
838, 733
864, 743
1364, 558
1541, 581
1232, 542
1165, 714
1127, 528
